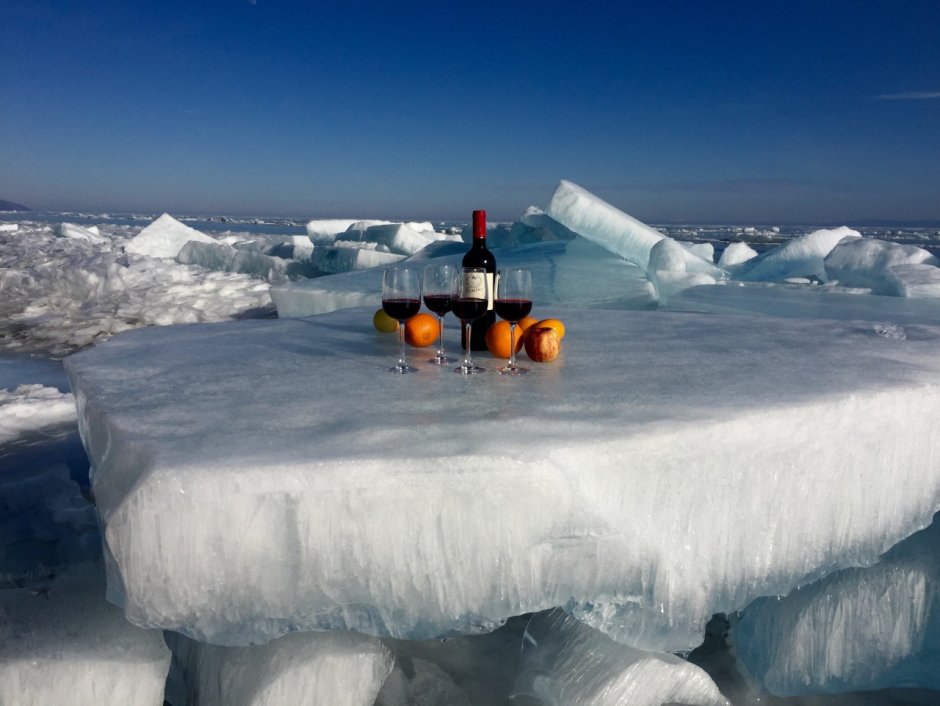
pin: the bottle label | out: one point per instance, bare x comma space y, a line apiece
478, 285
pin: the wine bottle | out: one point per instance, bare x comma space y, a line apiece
479, 256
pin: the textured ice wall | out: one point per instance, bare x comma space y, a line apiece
335, 668
857, 629
565, 663
72, 647
615, 482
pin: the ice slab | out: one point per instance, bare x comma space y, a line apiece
336, 668
807, 302
346, 259
220, 257
573, 273
165, 237
565, 663
736, 254
867, 262
615, 481
593, 218
802, 256
325, 230
916, 280
72, 647
76, 232
858, 629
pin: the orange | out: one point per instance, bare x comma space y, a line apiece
525, 323
498, 339
553, 324
421, 330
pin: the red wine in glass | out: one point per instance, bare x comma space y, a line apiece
513, 310
401, 299
513, 303
467, 309
438, 303
401, 309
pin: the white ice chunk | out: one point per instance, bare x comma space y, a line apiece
800, 257
335, 668
165, 237
32, 407
325, 230
669, 269
220, 257
400, 238
735, 254
328, 507
9, 227
72, 647
303, 247
857, 629
866, 262
76, 232
917, 280
343, 259
566, 663
706, 251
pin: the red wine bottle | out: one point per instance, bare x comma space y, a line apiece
479, 256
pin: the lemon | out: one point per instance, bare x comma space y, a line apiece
383, 322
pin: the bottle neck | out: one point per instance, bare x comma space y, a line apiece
479, 242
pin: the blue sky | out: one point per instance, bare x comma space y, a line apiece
709, 111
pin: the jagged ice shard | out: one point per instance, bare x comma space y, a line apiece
655, 485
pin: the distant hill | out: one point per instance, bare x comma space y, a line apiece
10, 206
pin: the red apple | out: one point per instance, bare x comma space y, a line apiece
542, 343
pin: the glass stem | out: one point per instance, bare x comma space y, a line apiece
468, 362
440, 328
512, 344
401, 341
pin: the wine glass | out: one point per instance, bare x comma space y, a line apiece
470, 301
513, 303
401, 299
438, 291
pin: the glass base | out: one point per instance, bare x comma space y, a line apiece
513, 370
441, 359
468, 369
402, 369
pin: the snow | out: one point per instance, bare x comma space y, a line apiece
857, 629
165, 237
71, 647
867, 262
339, 669
32, 406
357, 506
799, 257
